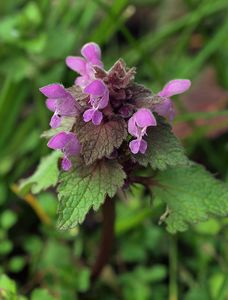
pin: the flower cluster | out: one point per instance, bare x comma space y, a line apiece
100, 96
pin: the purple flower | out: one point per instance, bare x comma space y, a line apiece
68, 143
99, 98
137, 126
60, 102
173, 87
84, 65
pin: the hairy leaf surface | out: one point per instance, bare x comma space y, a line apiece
99, 141
164, 149
192, 194
86, 187
44, 177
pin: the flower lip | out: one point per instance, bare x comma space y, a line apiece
138, 146
66, 164
93, 115
142, 119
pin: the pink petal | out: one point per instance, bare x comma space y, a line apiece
132, 128
166, 109
67, 106
104, 100
175, 87
55, 121
96, 88
92, 52
51, 104
66, 164
97, 117
88, 114
163, 108
82, 81
73, 146
54, 90
98, 63
59, 140
78, 64
143, 146
134, 146
144, 118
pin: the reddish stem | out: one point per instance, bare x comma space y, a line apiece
107, 238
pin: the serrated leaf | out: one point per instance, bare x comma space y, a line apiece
86, 187
99, 141
192, 194
45, 176
163, 149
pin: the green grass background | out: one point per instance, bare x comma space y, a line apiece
158, 37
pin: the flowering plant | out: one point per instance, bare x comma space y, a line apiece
110, 130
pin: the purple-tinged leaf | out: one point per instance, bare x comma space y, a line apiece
99, 141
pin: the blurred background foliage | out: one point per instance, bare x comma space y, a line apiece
164, 39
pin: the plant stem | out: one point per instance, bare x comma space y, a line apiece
107, 238
34, 203
173, 288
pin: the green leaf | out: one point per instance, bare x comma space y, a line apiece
6, 247
86, 187
8, 219
43, 294
164, 149
16, 264
8, 288
45, 176
192, 194
99, 141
